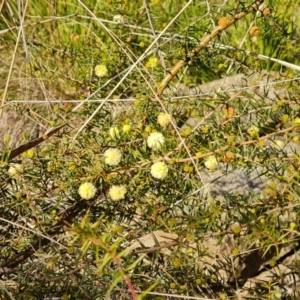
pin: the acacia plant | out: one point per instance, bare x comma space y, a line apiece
149, 149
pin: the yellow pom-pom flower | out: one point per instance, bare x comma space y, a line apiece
296, 121
117, 192
152, 62
253, 131
164, 119
112, 156
211, 163
126, 128
159, 170
101, 70
292, 225
31, 153
87, 190
148, 129
155, 140
7, 138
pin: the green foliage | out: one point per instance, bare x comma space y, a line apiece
117, 204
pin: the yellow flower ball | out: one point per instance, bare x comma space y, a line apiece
164, 119
296, 121
262, 144
159, 170
235, 251
126, 128
7, 138
117, 192
112, 156
30, 153
172, 285
186, 132
231, 139
285, 118
101, 70
198, 154
137, 102
253, 131
155, 140
117, 229
292, 225
176, 262
148, 129
87, 190
186, 168
205, 129
152, 62
236, 229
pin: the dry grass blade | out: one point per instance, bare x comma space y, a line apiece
13, 59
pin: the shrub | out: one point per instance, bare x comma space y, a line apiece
160, 158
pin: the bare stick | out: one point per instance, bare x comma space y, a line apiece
204, 42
